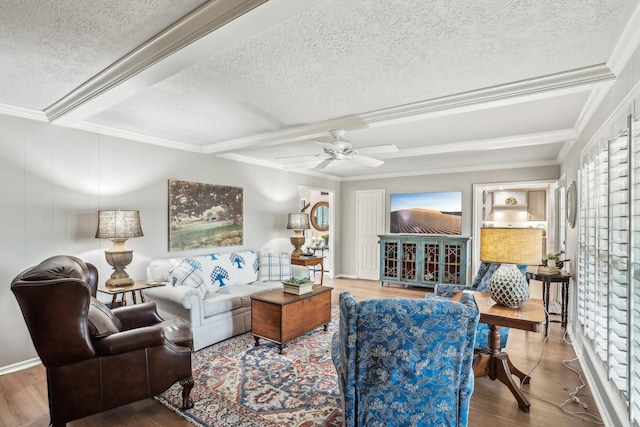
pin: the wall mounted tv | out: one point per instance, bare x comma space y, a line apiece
426, 213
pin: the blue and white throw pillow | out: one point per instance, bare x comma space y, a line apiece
274, 267
188, 273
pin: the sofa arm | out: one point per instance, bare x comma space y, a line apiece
186, 296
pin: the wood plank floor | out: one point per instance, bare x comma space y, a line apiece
23, 395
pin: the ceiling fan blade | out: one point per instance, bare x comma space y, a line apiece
323, 164
309, 156
300, 165
368, 161
378, 149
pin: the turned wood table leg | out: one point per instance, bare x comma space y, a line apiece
500, 367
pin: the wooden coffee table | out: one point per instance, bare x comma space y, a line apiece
281, 317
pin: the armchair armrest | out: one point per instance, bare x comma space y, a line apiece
137, 316
126, 341
448, 291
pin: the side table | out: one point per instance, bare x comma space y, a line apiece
310, 261
563, 278
138, 285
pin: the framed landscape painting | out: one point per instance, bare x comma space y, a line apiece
204, 215
426, 213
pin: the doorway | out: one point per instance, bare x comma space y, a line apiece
515, 204
319, 203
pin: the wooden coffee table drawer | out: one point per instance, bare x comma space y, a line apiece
281, 317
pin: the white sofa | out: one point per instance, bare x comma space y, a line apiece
213, 291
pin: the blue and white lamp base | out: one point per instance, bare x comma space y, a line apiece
508, 286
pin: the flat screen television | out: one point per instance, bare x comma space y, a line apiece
426, 213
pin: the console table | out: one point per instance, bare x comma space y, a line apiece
563, 278
423, 260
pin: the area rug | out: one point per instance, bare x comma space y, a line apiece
239, 384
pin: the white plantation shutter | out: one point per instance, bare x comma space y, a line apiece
608, 284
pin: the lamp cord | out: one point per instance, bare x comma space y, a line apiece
583, 415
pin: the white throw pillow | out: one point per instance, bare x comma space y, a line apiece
274, 267
187, 273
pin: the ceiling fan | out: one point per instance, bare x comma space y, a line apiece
341, 149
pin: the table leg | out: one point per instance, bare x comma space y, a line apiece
133, 295
114, 301
321, 271
565, 302
123, 299
497, 365
546, 290
142, 299
257, 340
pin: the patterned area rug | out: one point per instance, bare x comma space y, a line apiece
239, 384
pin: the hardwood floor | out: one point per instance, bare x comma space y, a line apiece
23, 394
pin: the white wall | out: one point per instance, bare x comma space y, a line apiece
53, 181
416, 184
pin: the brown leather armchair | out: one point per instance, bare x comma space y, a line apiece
96, 358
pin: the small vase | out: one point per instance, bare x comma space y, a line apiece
551, 263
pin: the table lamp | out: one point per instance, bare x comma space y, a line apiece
510, 247
118, 226
298, 222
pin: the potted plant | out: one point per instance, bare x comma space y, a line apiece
553, 258
325, 237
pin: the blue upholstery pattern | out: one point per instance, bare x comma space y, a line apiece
480, 283
405, 362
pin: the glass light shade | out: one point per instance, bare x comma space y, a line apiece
298, 221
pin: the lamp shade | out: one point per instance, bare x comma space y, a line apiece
118, 224
511, 245
298, 221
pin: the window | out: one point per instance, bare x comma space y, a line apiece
608, 285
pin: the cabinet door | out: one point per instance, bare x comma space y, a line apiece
410, 257
389, 260
431, 262
453, 262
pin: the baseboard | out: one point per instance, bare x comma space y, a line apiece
25, 364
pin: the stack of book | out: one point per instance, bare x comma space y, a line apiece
548, 270
298, 288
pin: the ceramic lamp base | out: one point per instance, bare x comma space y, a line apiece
508, 286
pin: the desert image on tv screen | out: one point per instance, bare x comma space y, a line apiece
426, 213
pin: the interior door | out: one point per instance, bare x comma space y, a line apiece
370, 222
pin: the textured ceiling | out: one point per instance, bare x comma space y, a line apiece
441, 80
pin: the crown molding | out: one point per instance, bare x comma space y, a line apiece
25, 113
627, 43
572, 81
433, 171
133, 136
202, 21
540, 138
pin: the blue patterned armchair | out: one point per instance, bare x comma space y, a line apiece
404, 362
480, 283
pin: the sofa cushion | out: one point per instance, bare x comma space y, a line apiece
217, 303
101, 321
188, 273
274, 266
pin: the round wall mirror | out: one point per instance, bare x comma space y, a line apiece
572, 204
320, 216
